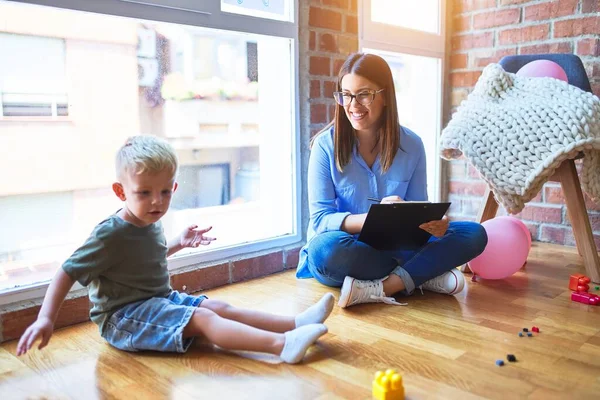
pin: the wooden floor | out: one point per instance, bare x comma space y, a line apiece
445, 347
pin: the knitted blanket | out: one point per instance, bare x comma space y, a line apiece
516, 131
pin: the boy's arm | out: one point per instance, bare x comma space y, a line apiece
43, 327
190, 237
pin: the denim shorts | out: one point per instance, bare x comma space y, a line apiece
153, 324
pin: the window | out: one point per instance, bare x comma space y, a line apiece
195, 86
412, 40
32, 76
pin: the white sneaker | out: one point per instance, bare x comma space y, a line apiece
451, 282
355, 291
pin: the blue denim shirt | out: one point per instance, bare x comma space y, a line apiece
332, 195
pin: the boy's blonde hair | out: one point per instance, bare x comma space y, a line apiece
145, 153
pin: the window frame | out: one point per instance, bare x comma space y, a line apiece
206, 14
378, 36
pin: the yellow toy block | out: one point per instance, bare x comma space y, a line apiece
388, 385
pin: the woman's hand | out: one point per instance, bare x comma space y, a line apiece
391, 200
194, 237
436, 228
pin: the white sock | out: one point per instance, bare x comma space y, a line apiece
299, 340
317, 313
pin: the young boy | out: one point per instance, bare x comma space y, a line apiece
124, 262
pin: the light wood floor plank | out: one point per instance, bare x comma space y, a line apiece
445, 347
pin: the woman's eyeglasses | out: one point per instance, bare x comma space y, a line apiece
364, 98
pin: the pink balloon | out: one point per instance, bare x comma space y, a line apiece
506, 251
522, 225
543, 68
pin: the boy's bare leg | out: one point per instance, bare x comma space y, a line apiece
233, 335
315, 314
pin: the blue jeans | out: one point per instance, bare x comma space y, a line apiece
334, 255
153, 324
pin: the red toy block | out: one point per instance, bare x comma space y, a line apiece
579, 283
535, 329
586, 298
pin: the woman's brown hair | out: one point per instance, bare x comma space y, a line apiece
377, 70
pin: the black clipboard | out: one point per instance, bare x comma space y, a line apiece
396, 226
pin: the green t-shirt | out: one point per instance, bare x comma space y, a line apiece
122, 264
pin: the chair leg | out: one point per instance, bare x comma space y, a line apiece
584, 238
488, 211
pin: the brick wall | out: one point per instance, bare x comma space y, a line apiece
483, 32
333, 35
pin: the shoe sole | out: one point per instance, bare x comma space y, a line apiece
345, 294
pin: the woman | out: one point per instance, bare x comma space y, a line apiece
364, 153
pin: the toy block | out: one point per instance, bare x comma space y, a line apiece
535, 329
529, 334
579, 283
586, 298
511, 358
499, 363
388, 385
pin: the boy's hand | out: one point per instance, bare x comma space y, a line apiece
193, 237
436, 228
41, 328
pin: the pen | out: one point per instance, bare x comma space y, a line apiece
374, 199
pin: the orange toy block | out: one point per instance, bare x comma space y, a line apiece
388, 385
579, 283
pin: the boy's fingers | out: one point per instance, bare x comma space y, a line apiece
45, 340
32, 338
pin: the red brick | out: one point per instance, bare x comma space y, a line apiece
472, 5
596, 89
328, 89
331, 112
336, 3
312, 40
577, 27
588, 47
551, 10
594, 218
526, 34
291, 258
316, 129
322, 18
461, 23
353, 6
533, 230
351, 24
590, 6
474, 188
482, 59
256, 267
72, 311
318, 113
315, 89
561, 47
537, 198
540, 213
458, 61
554, 194
201, 278
320, 66
347, 44
472, 41
464, 79
327, 42
496, 18
337, 65
553, 234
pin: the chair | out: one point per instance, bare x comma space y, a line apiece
566, 174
